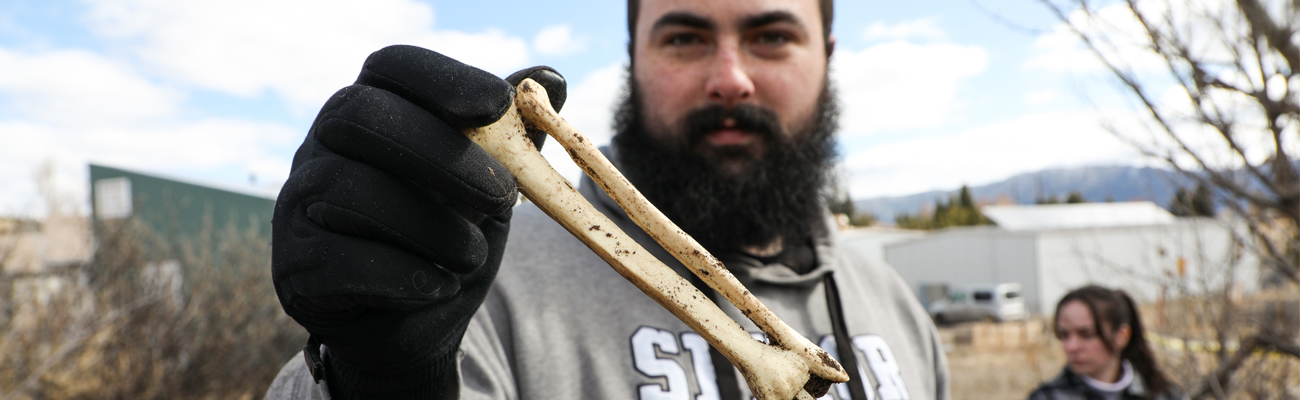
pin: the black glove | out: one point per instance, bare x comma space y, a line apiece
392, 223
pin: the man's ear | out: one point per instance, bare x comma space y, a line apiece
830, 45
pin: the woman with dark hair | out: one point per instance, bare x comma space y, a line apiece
1106, 348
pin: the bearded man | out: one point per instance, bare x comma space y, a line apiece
390, 237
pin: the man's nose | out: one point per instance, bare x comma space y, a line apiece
729, 84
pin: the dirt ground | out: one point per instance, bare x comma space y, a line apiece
999, 361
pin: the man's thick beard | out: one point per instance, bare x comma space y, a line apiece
778, 195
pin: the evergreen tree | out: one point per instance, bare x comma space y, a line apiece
842, 205
1074, 197
958, 210
1202, 203
1192, 203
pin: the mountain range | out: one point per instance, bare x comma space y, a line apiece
1096, 184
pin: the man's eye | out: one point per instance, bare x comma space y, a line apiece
683, 39
773, 38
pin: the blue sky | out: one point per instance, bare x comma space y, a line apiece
935, 94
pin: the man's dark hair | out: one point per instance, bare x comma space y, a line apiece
827, 8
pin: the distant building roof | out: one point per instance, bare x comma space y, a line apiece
270, 192
1071, 216
175, 209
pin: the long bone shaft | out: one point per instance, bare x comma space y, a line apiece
779, 371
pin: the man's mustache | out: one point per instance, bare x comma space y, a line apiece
758, 120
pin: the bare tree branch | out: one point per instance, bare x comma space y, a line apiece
1271, 254
1228, 61
1218, 382
1279, 38
1175, 52
1278, 179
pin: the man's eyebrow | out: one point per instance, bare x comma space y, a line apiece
770, 17
683, 18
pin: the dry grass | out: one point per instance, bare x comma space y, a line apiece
127, 326
1002, 366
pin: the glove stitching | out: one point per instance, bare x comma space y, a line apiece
332, 183
423, 158
399, 84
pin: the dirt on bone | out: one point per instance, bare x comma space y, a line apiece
827, 360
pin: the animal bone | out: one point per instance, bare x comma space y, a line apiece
779, 371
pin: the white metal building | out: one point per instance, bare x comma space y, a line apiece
1050, 249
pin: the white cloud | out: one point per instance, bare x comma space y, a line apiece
125, 104
924, 29
1121, 38
1250, 130
205, 144
1035, 97
26, 146
901, 85
183, 148
74, 106
302, 50
984, 154
76, 87
558, 40
1061, 50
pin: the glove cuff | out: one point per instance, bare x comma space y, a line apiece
435, 378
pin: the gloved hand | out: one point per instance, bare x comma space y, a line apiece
391, 226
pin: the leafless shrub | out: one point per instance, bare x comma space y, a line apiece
148, 318
1231, 347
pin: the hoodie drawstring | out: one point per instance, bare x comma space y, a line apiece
843, 345
729, 385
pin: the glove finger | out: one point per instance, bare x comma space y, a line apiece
385, 292
366, 203
383, 340
556, 88
381, 129
555, 93
459, 94
356, 274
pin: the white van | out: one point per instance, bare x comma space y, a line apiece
996, 302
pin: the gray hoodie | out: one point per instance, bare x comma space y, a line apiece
559, 323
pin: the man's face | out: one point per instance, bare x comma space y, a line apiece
727, 124
690, 55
